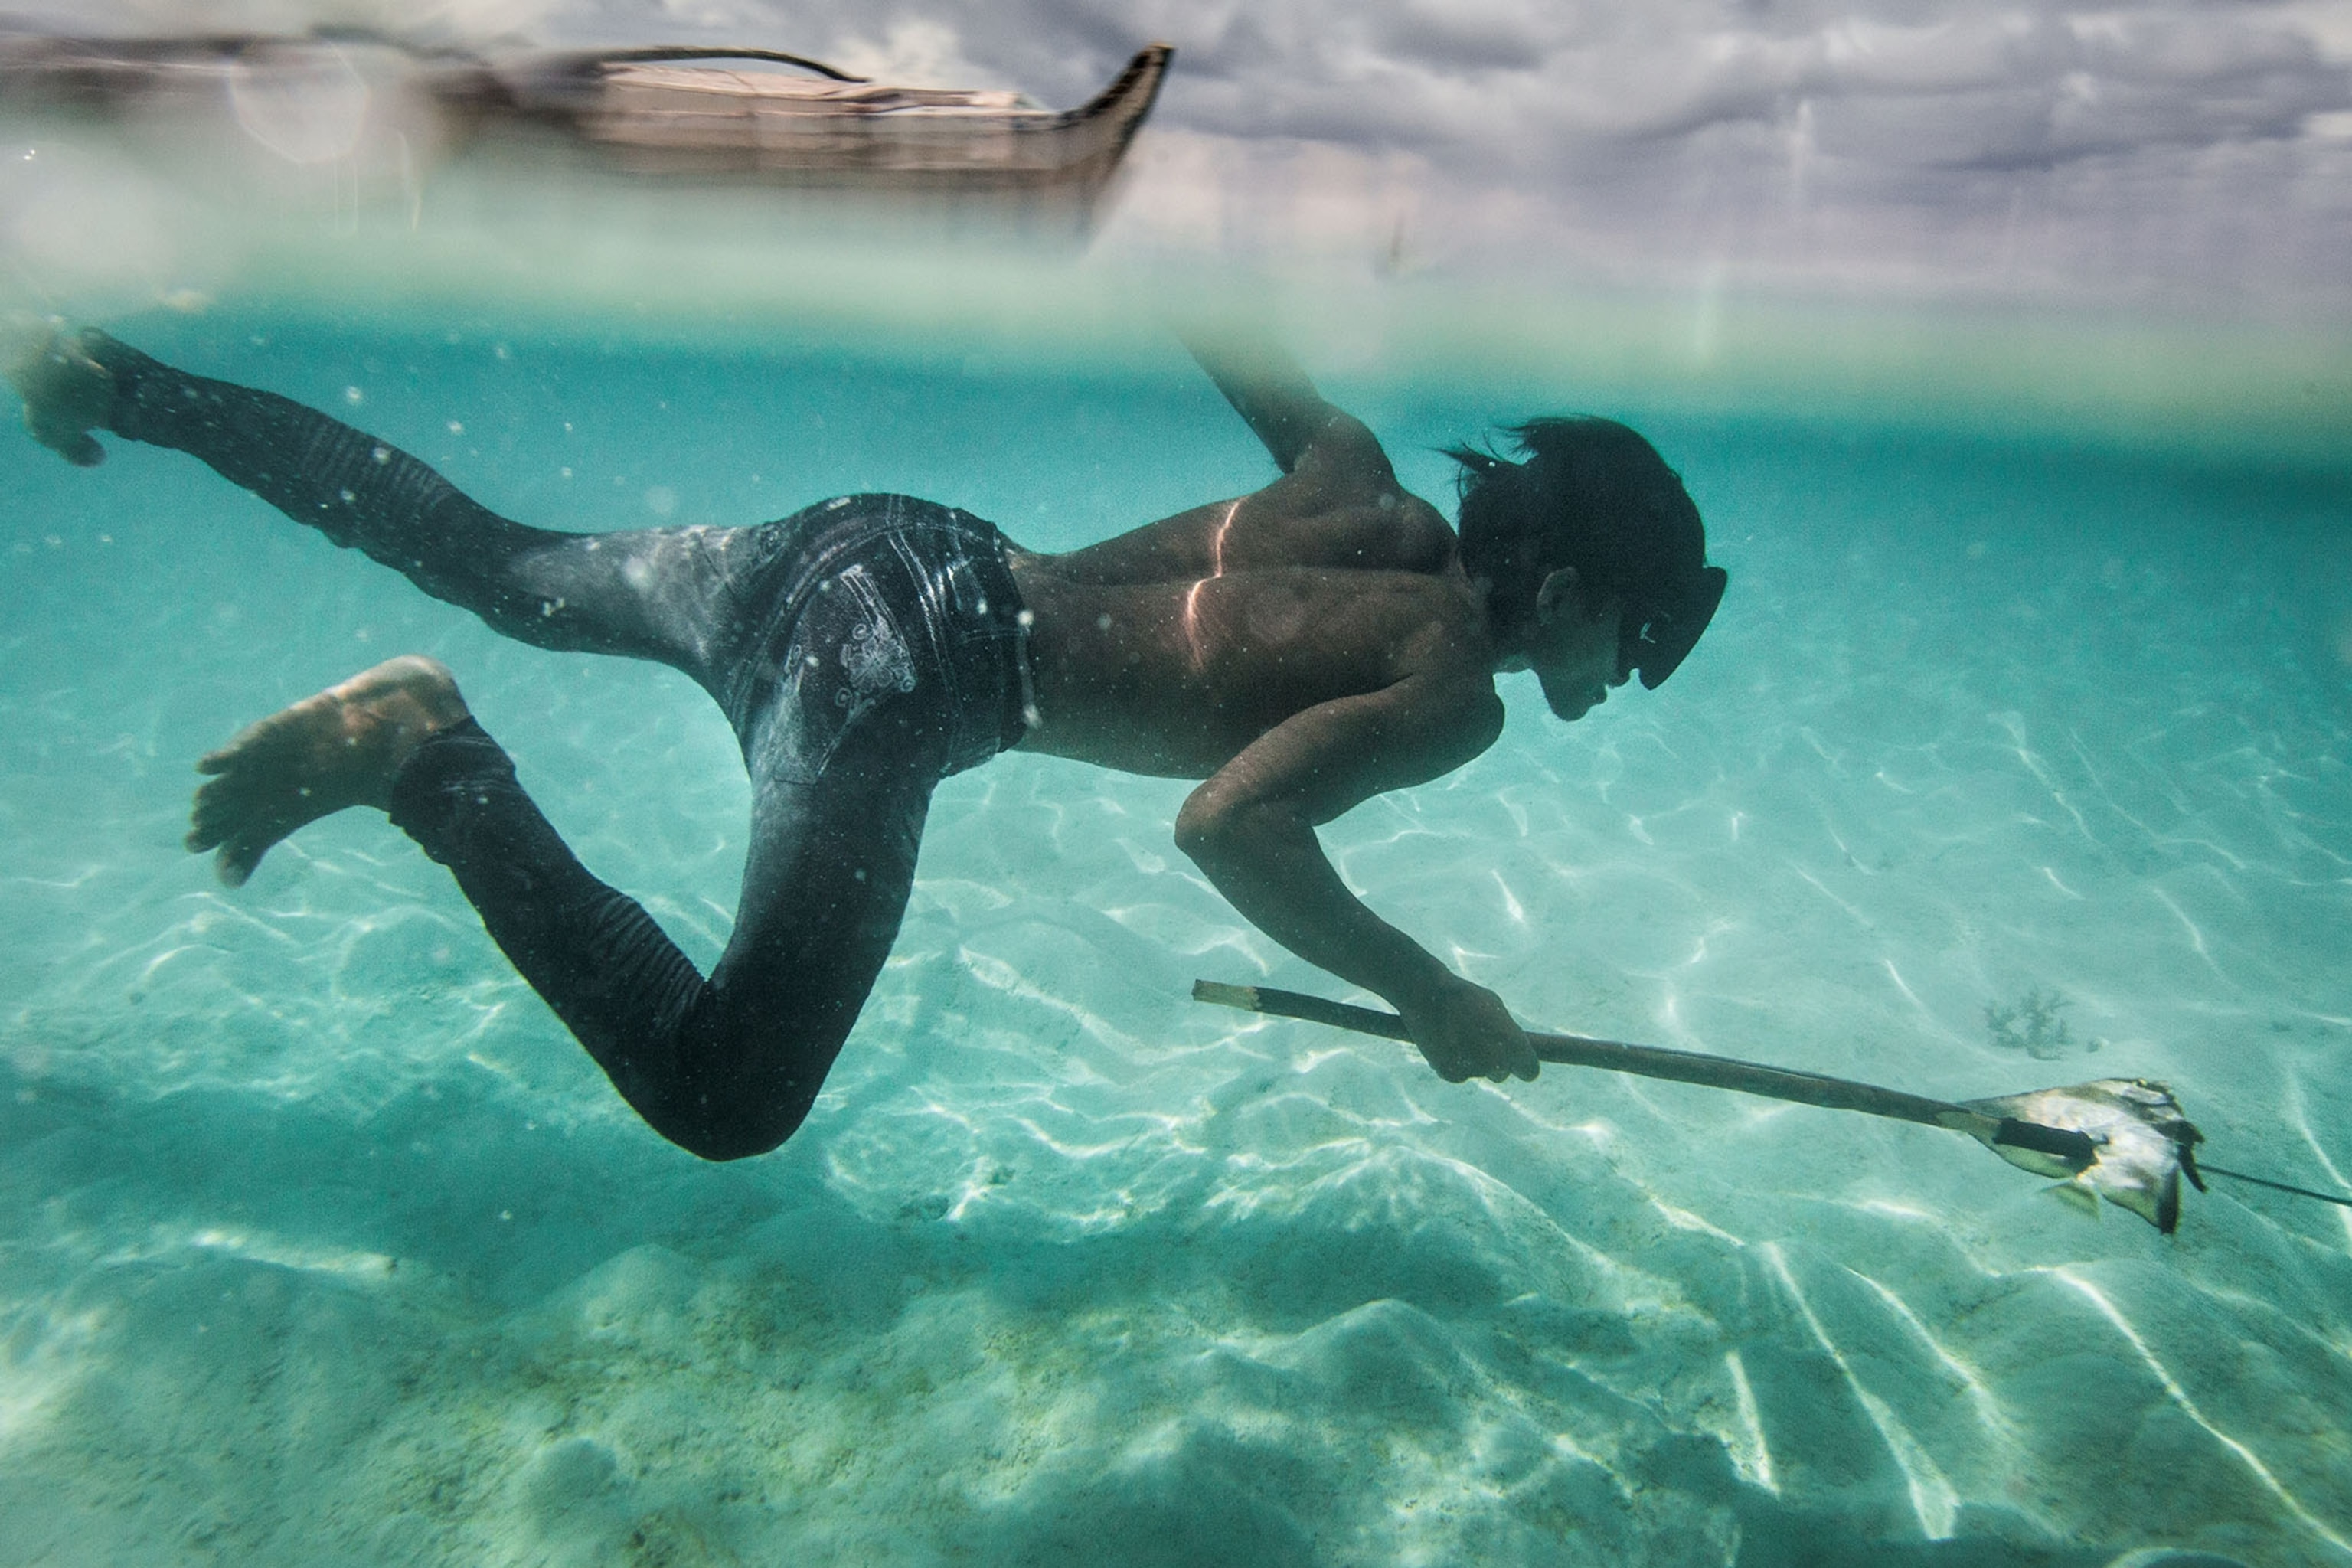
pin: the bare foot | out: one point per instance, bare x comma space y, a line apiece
338, 748
66, 394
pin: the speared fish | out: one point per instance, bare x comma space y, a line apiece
2141, 1144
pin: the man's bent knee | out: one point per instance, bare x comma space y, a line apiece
734, 1132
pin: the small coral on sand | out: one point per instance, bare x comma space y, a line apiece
2033, 1024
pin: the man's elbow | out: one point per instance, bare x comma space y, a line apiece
1202, 827
1217, 831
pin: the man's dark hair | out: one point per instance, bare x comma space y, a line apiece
1592, 495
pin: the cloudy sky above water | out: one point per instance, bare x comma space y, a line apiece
2152, 151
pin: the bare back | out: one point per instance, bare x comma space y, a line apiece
1171, 648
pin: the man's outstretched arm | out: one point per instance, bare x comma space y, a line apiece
1250, 828
1268, 389
1329, 456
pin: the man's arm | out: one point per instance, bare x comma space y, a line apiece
1328, 457
1250, 828
1270, 390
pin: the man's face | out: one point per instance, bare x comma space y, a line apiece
1574, 655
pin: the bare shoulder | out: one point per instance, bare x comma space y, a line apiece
1342, 507
1305, 520
1342, 463
1338, 506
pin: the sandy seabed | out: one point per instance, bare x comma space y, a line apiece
322, 1241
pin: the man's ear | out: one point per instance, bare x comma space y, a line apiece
1552, 597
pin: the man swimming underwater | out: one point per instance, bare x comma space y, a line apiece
1300, 648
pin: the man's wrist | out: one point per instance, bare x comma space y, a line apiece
1421, 983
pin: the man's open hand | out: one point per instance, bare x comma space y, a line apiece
66, 394
1465, 1031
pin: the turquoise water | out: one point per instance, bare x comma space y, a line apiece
322, 1241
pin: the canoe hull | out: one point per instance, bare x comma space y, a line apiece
732, 125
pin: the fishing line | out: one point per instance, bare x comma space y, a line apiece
2207, 1167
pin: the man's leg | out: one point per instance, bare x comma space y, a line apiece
658, 593
724, 1067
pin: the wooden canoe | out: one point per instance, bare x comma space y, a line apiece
736, 116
